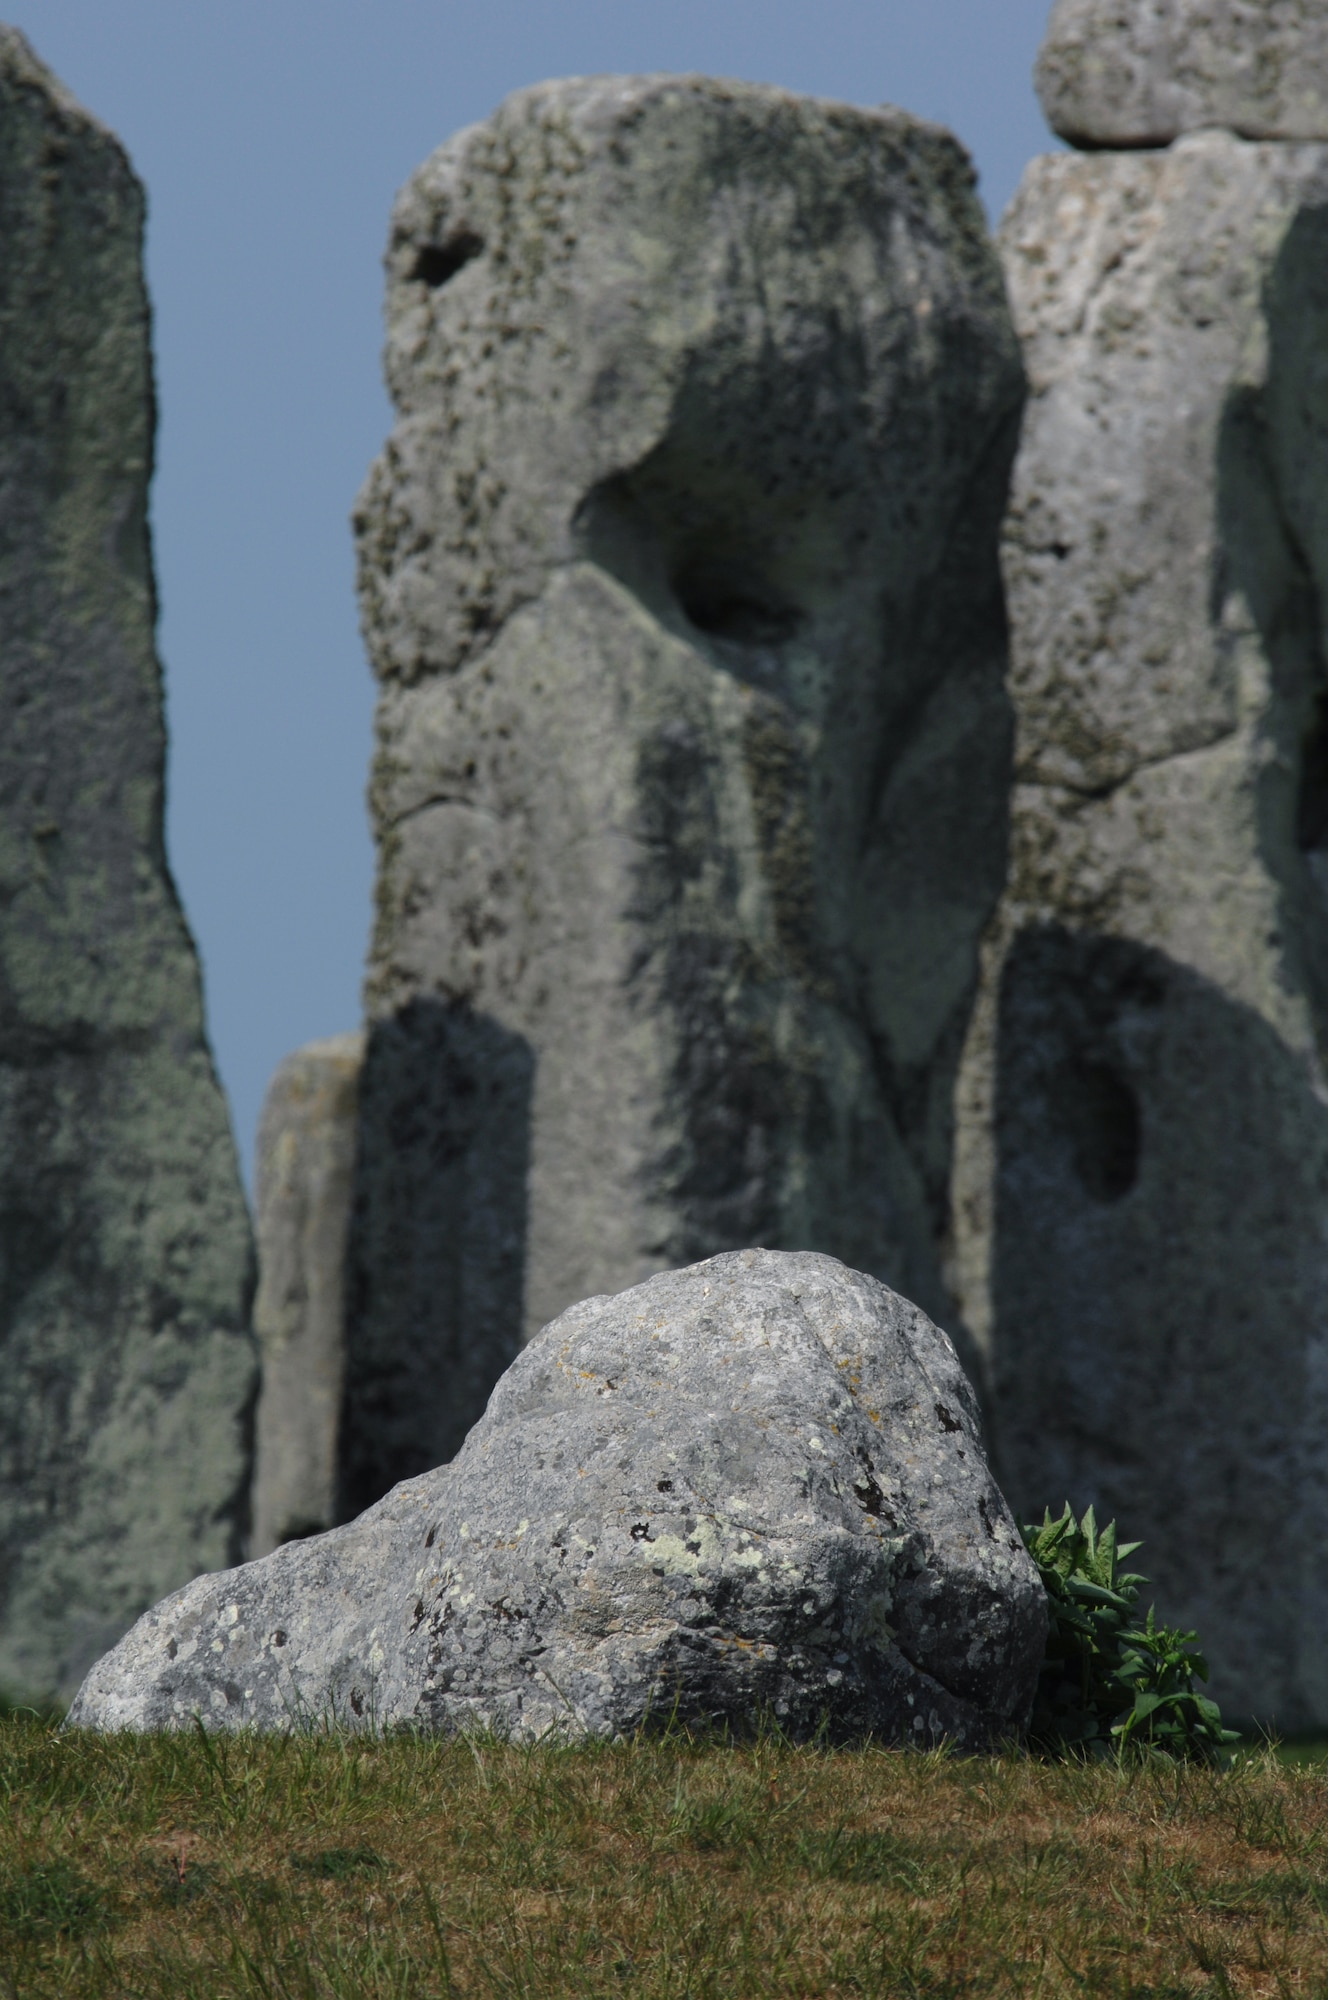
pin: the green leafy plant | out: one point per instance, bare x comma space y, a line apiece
1108, 1681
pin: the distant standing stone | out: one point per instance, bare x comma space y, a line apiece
128, 1369
757, 1484
679, 576
306, 1163
1124, 73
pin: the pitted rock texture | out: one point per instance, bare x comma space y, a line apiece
306, 1163
752, 1486
1122, 73
679, 575
125, 1258
1141, 1196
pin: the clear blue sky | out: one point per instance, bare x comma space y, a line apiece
272, 136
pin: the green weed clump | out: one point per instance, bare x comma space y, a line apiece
330, 1867
1108, 1681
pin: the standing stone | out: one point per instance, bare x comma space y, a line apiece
1142, 1159
125, 1258
753, 1486
306, 1162
1140, 72
679, 576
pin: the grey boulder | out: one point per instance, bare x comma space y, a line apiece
1122, 73
753, 1484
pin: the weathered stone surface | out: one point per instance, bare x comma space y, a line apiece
306, 1163
755, 1482
678, 573
1123, 73
1142, 1157
125, 1259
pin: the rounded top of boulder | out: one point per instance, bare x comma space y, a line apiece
1127, 73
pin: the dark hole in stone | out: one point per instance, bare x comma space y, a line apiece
664, 1486
734, 608
1312, 804
437, 263
947, 1420
1103, 1117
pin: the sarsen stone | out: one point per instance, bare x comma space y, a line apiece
1127, 73
679, 575
127, 1369
1141, 1202
754, 1483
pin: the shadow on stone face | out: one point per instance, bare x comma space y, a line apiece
1274, 511
436, 1254
1160, 1283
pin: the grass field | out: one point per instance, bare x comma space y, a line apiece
321, 1866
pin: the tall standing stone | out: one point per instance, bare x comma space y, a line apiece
679, 576
1142, 1160
128, 1368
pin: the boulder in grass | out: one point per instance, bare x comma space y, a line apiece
753, 1486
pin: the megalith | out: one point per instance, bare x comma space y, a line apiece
753, 1490
1121, 73
1141, 1192
125, 1257
679, 577
306, 1163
